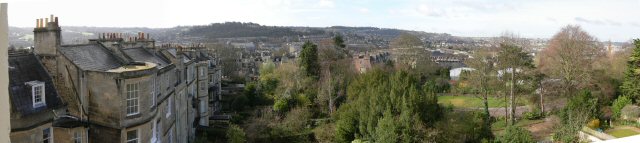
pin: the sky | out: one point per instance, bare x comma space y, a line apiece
615, 20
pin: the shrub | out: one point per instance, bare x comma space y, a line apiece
593, 124
235, 134
515, 134
533, 115
281, 105
618, 104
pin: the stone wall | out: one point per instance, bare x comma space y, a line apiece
29, 136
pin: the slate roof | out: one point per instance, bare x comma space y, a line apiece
91, 57
25, 67
203, 57
143, 55
172, 52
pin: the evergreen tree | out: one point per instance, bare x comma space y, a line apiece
338, 41
631, 84
309, 60
387, 107
514, 63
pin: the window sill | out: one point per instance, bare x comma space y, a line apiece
38, 105
131, 116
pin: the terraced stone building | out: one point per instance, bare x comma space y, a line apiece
115, 88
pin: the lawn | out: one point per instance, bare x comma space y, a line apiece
500, 124
472, 101
619, 133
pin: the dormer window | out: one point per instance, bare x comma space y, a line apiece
37, 93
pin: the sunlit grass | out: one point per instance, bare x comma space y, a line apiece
472, 101
619, 133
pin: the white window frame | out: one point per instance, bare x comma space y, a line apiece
169, 107
192, 90
153, 93
171, 135
48, 138
158, 129
202, 73
134, 140
154, 131
77, 137
133, 98
37, 91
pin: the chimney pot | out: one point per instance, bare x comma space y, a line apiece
51, 18
56, 20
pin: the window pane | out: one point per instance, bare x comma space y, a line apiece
132, 136
46, 135
132, 98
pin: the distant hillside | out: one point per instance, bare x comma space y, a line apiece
23, 36
238, 29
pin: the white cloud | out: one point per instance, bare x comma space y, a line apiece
363, 10
532, 18
326, 3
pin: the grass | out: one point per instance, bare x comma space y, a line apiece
500, 124
619, 133
472, 101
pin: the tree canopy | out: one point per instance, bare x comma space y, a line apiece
309, 60
631, 84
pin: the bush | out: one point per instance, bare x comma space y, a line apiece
235, 134
618, 104
515, 134
533, 115
325, 133
594, 124
239, 102
281, 105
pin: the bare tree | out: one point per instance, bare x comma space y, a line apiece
570, 56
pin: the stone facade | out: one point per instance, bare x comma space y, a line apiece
119, 88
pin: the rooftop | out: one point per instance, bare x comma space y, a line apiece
27, 68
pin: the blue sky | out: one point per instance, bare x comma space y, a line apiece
617, 20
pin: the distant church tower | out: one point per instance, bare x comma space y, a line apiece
46, 42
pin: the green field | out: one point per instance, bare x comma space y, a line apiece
619, 133
500, 124
472, 101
